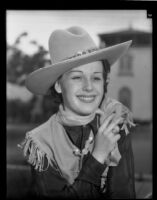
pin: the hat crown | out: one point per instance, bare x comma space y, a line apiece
66, 43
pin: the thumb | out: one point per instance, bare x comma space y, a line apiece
100, 112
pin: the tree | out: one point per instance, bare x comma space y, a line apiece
19, 64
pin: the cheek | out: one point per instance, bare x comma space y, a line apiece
68, 91
100, 88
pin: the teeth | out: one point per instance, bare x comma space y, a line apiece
87, 98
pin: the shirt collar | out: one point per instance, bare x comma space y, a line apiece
79, 134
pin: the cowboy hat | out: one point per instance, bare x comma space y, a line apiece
68, 49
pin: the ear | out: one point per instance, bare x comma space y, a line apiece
58, 87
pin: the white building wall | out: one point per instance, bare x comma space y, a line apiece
140, 83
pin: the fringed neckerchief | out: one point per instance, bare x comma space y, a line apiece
51, 141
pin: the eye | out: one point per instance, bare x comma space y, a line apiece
97, 78
76, 77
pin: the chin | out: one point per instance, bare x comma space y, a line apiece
86, 111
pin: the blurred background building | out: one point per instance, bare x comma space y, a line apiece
131, 76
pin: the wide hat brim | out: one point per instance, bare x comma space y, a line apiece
41, 80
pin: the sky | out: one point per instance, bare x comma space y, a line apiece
40, 24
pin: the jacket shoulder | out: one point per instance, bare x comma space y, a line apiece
42, 127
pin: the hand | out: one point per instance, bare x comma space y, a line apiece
106, 138
111, 106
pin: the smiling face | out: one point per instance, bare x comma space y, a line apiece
82, 88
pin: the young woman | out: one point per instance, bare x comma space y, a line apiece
84, 150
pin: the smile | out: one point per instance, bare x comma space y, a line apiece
86, 99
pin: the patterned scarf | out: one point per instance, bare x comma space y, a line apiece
51, 141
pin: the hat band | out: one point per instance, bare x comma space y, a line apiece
80, 53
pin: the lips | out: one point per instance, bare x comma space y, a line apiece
86, 98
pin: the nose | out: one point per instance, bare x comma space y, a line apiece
87, 85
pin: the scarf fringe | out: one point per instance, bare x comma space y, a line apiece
128, 121
35, 156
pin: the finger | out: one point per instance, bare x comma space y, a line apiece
107, 113
116, 138
106, 123
115, 109
104, 117
113, 125
101, 114
115, 130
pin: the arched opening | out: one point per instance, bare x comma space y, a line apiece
125, 96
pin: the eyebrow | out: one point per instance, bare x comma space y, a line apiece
82, 72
